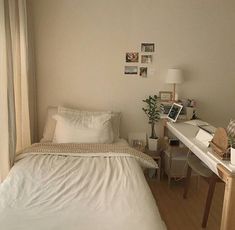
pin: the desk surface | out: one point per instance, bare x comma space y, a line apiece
186, 133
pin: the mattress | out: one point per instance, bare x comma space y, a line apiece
78, 191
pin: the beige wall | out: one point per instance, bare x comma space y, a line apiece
80, 47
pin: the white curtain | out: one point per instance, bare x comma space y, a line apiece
15, 132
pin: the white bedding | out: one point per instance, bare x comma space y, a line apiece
54, 192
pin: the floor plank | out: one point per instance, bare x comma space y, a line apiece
186, 214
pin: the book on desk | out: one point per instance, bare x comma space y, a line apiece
205, 134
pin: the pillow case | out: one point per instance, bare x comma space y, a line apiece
49, 129
83, 128
115, 117
50, 124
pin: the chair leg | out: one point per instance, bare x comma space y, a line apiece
169, 179
187, 182
159, 170
198, 181
211, 189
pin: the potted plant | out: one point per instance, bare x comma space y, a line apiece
231, 140
152, 110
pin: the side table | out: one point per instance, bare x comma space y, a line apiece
156, 155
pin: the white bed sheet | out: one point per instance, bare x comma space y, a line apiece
51, 192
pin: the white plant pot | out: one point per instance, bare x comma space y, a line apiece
152, 144
232, 153
189, 113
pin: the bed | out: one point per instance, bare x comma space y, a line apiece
68, 186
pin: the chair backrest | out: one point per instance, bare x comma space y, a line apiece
198, 166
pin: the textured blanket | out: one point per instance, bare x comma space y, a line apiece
89, 150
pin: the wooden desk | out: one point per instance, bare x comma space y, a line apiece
186, 134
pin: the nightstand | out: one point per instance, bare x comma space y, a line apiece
156, 155
175, 162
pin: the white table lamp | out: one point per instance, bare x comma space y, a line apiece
174, 76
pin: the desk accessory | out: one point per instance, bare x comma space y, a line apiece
137, 139
204, 137
174, 112
208, 128
219, 144
232, 149
190, 111
165, 107
138, 145
165, 96
231, 139
196, 122
174, 142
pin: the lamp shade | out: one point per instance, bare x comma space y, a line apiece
174, 76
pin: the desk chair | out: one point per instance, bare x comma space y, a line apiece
201, 169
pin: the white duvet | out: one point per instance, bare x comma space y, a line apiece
53, 192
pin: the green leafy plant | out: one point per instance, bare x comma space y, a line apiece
231, 141
152, 110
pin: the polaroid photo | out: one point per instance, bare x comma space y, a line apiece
131, 70
147, 47
146, 59
143, 71
132, 57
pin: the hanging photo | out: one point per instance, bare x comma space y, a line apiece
146, 58
132, 57
143, 71
147, 47
131, 70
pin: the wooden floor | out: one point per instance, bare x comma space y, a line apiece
180, 214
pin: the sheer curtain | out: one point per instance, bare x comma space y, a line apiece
15, 78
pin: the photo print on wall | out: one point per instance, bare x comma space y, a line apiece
143, 71
146, 59
131, 70
132, 57
147, 47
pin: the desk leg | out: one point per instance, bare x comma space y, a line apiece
228, 214
163, 132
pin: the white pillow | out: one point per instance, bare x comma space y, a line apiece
49, 129
83, 128
115, 117
50, 124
